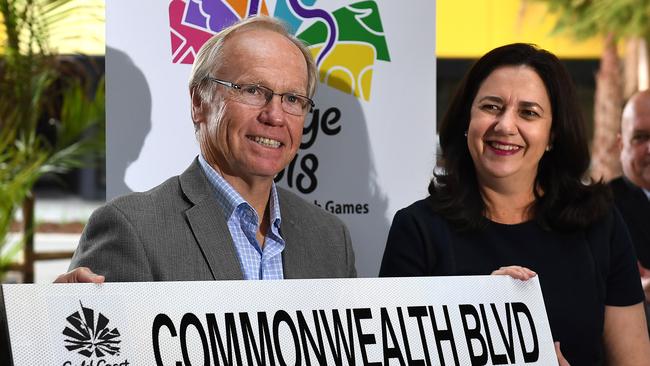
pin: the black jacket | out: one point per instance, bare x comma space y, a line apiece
634, 206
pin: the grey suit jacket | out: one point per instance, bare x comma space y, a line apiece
177, 232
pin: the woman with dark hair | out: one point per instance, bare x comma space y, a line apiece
510, 194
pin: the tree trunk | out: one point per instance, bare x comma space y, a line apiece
643, 69
631, 67
608, 106
28, 235
636, 66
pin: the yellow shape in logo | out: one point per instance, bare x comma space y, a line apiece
348, 68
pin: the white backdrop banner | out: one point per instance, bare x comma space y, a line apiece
482, 320
368, 146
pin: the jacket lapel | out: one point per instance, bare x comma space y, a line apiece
294, 259
208, 224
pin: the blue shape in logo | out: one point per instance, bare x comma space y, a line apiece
283, 12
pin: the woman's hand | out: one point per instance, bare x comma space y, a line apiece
560, 358
524, 274
517, 272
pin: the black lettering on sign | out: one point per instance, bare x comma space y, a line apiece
444, 335
306, 181
306, 335
420, 312
161, 320
340, 337
507, 341
529, 355
346, 208
188, 320
100, 362
364, 338
280, 317
264, 339
386, 332
497, 359
407, 345
232, 341
328, 124
473, 333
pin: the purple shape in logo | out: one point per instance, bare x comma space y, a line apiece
211, 15
307, 13
194, 16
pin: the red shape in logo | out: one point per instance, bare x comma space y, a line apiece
186, 40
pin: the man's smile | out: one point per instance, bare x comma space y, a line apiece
265, 141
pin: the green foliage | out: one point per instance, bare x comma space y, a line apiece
19, 170
80, 131
588, 18
28, 71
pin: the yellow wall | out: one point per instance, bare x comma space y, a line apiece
464, 29
470, 28
82, 29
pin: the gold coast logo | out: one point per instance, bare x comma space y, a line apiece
345, 42
90, 335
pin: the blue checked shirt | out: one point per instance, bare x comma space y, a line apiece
257, 263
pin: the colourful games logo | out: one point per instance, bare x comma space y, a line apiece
345, 43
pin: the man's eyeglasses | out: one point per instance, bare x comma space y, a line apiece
259, 96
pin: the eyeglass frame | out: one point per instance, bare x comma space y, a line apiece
240, 87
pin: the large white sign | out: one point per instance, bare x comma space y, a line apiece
482, 320
368, 147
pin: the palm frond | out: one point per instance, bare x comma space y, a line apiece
587, 18
28, 70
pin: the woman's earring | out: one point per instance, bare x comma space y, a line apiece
548, 147
466, 133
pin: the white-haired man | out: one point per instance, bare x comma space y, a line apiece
224, 218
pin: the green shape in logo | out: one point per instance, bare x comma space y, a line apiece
348, 66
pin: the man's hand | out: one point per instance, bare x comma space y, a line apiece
80, 275
517, 272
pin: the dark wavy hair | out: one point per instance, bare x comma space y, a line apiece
566, 202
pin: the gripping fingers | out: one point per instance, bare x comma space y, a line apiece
80, 275
517, 272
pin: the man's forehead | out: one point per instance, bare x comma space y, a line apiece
636, 114
641, 120
258, 38
641, 104
263, 56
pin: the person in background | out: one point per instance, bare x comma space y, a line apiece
632, 189
509, 197
224, 218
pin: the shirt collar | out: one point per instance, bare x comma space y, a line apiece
274, 209
229, 199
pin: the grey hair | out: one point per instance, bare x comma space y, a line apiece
211, 53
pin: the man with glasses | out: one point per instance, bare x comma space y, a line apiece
224, 218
